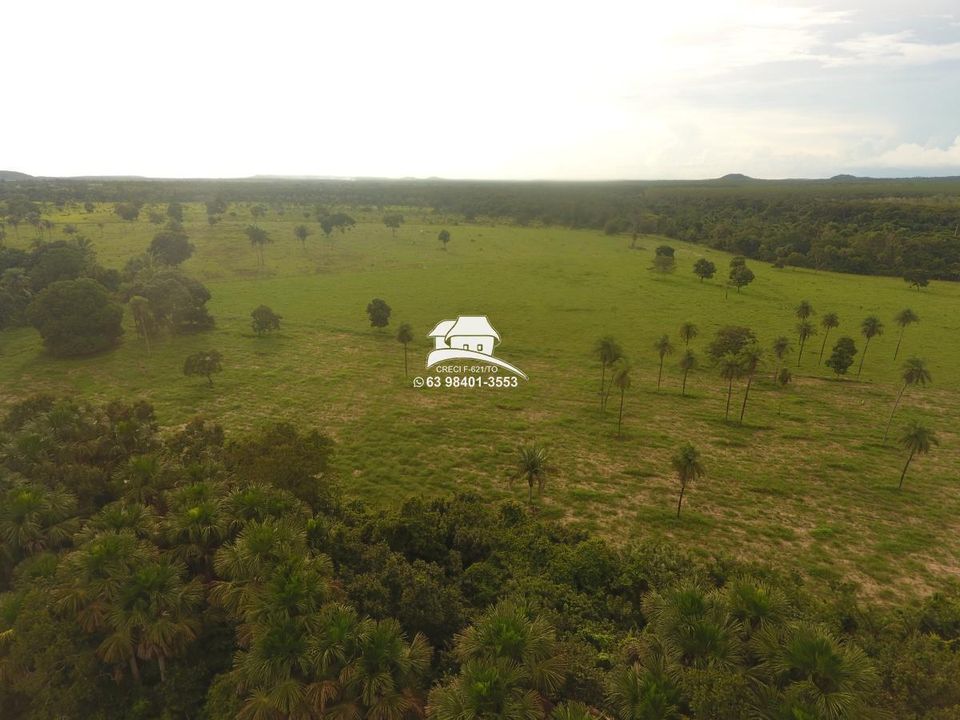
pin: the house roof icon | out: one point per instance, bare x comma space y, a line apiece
465, 326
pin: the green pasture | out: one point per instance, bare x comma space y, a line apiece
805, 483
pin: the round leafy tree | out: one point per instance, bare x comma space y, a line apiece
76, 317
265, 320
379, 313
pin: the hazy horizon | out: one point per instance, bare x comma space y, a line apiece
531, 91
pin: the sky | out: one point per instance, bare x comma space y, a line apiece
490, 90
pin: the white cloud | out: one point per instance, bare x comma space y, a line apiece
889, 49
909, 155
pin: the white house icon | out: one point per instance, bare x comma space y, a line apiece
469, 337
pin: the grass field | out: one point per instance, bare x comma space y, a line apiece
805, 483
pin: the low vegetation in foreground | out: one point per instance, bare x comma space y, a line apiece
183, 575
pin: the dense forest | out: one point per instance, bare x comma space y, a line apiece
188, 573
908, 228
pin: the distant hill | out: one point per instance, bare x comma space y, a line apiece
13, 175
845, 177
736, 177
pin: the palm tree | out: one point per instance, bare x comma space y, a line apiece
904, 318
609, 352
781, 346
869, 328
532, 463
828, 322
142, 317
507, 631
404, 336
805, 330
485, 689
914, 373
302, 232
815, 673
688, 331
686, 463
918, 440
688, 362
730, 370
258, 238
644, 690
804, 310
750, 358
621, 380
694, 626
663, 347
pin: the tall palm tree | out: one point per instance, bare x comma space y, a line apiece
750, 358
869, 328
688, 331
608, 351
828, 322
918, 440
32, 519
904, 318
532, 464
664, 347
621, 381
686, 463
688, 362
730, 370
805, 330
258, 237
804, 310
914, 373
781, 346
404, 336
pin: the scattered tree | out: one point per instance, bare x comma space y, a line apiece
664, 260
914, 373
142, 317
704, 269
870, 328
828, 322
379, 313
805, 330
686, 463
781, 348
917, 278
842, 356
393, 221
750, 358
664, 347
904, 318
265, 320
259, 238
688, 331
621, 380
76, 317
730, 370
302, 232
533, 465
740, 274
688, 362
170, 247
730, 340
404, 337
917, 440
444, 238
203, 363
608, 351
804, 310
